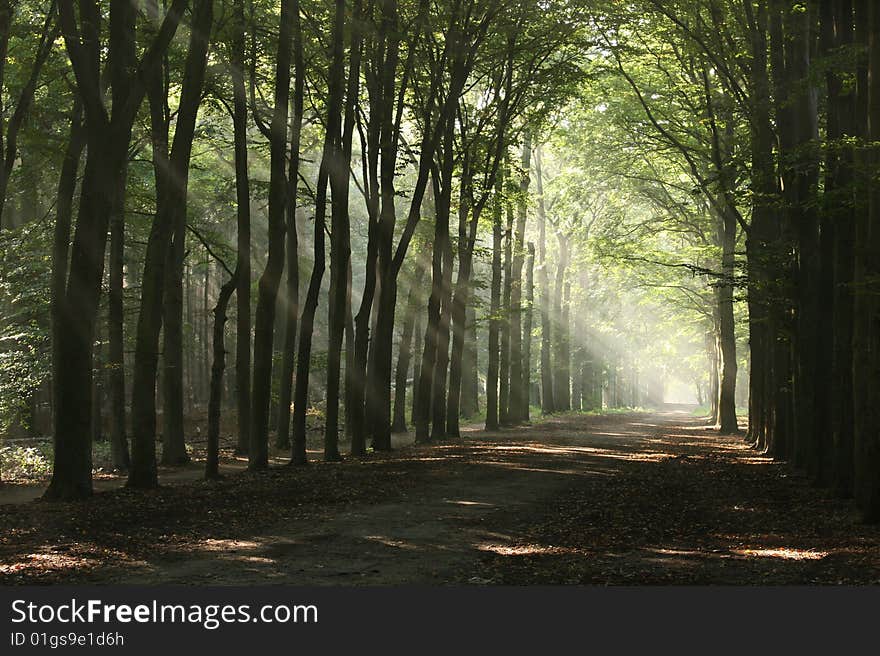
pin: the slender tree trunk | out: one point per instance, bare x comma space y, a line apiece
292, 305
267, 295
727, 328
866, 334
429, 354
564, 363
307, 327
527, 332
218, 366
103, 190
506, 325
173, 442
467, 225
349, 358
561, 382
781, 307
800, 174
441, 364
760, 235
332, 144
470, 367
492, 422
547, 404
390, 263
852, 110
340, 249
116, 359
143, 412
405, 354
243, 223
61, 244
518, 403
418, 330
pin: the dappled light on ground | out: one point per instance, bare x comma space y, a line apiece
785, 554
620, 499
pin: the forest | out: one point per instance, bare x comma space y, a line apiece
294, 259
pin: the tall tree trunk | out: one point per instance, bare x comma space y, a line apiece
760, 235
171, 211
727, 328
470, 367
173, 441
340, 239
332, 145
357, 393
103, 193
561, 382
417, 330
527, 332
390, 263
492, 422
349, 357
441, 363
780, 443
116, 355
506, 324
6, 12
468, 217
218, 366
518, 403
852, 112
61, 238
292, 305
800, 175
267, 295
866, 333
822, 456
243, 224
563, 365
405, 354
547, 404
429, 352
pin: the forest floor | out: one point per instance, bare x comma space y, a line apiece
639, 498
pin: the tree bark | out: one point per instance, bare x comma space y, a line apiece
866, 333
243, 224
470, 367
267, 295
218, 366
506, 325
103, 190
561, 382
518, 402
527, 333
61, 237
171, 211
492, 422
340, 239
852, 112
727, 328
405, 354
547, 404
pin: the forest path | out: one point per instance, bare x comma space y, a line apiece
619, 498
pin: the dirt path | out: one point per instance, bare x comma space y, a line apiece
652, 498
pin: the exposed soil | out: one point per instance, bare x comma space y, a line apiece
614, 499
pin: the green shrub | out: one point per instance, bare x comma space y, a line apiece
25, 462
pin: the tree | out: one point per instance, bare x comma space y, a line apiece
103, 190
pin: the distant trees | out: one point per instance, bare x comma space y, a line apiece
805, 95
